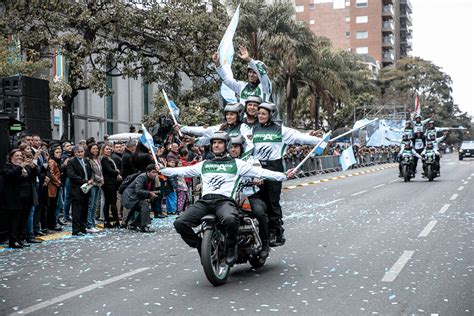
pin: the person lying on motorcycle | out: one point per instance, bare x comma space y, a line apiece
220, 178
251, 190
430, 148
407, 149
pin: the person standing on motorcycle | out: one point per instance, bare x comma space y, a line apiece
430, 129
408, 149
419, 143
435, 141
258, 83
220, 177
251, 190
408, 130
270, 141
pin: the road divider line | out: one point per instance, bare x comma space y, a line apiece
427, 229
378, 186
454, 196
461, 188
393, 181
397, 267
444, 208
360, 192
85, 289
331, 202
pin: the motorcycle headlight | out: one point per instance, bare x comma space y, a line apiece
460, 150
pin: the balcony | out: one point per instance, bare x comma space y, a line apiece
388, 10
405, 5
388, 26
388, 57
388, 42
405, 18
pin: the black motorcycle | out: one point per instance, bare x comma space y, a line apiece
213, 246
429, 165
407, 163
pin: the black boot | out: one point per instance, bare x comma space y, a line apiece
231, 255
265, 252
15, 245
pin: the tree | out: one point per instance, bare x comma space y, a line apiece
13, 62
102, 39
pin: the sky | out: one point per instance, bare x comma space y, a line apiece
443, 33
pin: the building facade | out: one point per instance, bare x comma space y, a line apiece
378, 28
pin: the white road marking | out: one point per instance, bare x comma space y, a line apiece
461, 188
393, 181
331, 202
454, 197
292, 187
378, 186
392, 274
85, 289
469, 178
444, 208
360, 192
427, 229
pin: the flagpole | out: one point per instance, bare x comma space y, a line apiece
308, 155
171, 111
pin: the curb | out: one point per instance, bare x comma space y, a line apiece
359, 173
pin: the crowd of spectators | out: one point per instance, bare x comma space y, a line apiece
48, 186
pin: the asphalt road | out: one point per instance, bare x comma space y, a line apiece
365, 244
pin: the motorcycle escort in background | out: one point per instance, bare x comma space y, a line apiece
213, 244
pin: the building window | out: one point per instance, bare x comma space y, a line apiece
299, 8
347, 19
311, 6
362, 35
311, 22
348, 3
362, 50
362, 19
348, 34
361, 3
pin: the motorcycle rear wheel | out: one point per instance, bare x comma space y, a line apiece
213, 257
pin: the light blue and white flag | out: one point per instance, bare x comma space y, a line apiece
318, 150
147, 140
226, 54
347, 158
174, 108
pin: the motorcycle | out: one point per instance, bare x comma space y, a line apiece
407, 166
213, 245
429, 165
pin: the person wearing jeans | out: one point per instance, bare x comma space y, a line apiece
98, 180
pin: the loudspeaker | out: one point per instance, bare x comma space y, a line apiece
26, 86
28, 107
1, 87
38, 126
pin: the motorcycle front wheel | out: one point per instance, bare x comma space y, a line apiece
429, 173
213, 257
405, 173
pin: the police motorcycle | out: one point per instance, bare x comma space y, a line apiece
429, 165
407, 164
213, 244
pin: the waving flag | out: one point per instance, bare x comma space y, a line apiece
319, 149
174, 109
347, 158
226, 54
147, 140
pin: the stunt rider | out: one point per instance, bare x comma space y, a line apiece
430, 148
270, 140
251, 190
233, 126
407, 149
419, 142
251, 110
220, 177
258, 81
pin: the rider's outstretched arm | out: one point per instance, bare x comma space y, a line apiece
247, 170
188, 171
292, 136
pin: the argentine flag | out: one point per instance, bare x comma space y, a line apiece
147, 140
318, 150
226, 54
347, 158
175, 109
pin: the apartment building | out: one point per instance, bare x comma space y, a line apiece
377, 28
